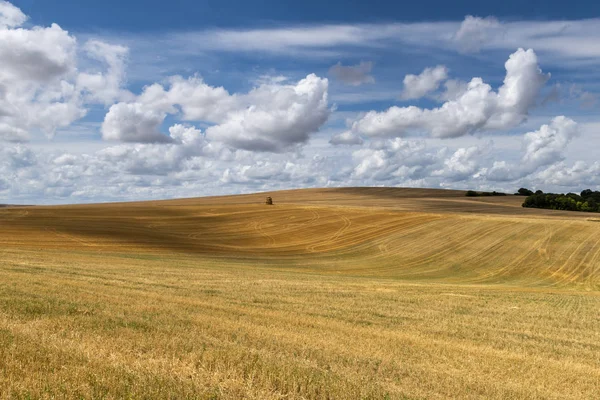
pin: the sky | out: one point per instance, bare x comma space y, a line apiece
115, 101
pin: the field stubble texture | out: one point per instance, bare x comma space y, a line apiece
338, 293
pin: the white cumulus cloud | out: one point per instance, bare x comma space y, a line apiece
202, 102
42, 87
134, 122
462, 165
36, 55
279, 117
479, 108
417, 86
273, 117
10, 16
544, 147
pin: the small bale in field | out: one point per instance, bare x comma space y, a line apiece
269, 201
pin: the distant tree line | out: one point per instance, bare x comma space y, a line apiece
587, 200
472, 193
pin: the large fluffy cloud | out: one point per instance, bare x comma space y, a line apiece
272, 117
279, 117
38, 54
35, 89
41, 85
478, 108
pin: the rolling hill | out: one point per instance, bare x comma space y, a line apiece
402, 233
371, 293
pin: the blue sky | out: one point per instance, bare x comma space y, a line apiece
160, 99
153, 15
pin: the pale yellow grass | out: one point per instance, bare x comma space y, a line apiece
348, 293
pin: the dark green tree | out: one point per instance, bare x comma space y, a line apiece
524, 192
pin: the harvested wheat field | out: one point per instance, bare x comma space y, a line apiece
327, 294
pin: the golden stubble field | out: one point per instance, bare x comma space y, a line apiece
330, 293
